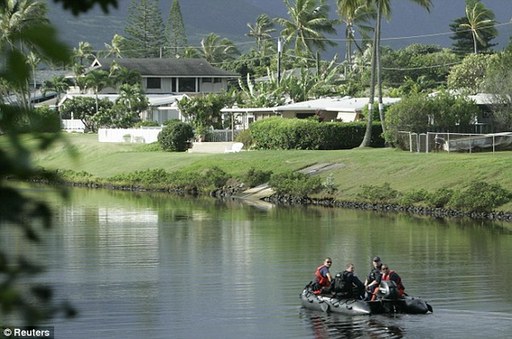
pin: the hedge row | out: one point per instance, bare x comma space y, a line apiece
279, 133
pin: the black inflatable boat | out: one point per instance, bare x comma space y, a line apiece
387, 301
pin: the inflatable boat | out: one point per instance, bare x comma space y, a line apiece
386, 301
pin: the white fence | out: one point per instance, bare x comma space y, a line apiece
145, 135
73, 125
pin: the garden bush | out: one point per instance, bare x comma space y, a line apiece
279, 133
245, 138
176, 137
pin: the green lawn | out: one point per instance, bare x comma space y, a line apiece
404, 171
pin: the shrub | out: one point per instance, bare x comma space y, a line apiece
279, 133
414, 196
176, 137
147, 177
480, 197
214, 177
245, 138
439, 198
379, 194
295, 184
328, 184
256, 177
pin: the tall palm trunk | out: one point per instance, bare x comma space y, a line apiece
379, 67
375, 53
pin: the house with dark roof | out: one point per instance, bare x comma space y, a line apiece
165, 82
174, 76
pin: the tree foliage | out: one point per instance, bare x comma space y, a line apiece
125, 112
498, 82
204, 111
428, 65
261, 31
420, 113
473, 33
305, 28
85, 108
217, 50
176, 31
469, 75
30, 303
145, 33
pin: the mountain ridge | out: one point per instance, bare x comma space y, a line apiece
409, 23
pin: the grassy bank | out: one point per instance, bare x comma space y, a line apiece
404, 171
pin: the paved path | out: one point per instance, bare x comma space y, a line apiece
210, 147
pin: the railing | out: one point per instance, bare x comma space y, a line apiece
454, 142
222, 135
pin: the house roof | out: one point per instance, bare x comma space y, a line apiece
181, 67
337, 104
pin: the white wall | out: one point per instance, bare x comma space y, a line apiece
132, 135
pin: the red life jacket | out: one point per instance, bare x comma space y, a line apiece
397, 280
320, 279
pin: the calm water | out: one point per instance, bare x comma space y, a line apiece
157, 266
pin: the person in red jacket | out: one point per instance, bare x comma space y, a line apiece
388, 274
323, 277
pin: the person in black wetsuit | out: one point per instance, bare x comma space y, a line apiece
347, 284
373, 281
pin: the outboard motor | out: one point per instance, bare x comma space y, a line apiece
388, 290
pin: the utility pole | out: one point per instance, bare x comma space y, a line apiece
279, 52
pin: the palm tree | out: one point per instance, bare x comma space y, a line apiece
383, 8
123, 75
261, 30
308, 21
33, 60
84, 51
114, 49
132, 97
355, 13
479, 19
216, 50
57, 84
97, 80
17, 15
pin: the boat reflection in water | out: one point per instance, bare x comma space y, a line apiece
335, 325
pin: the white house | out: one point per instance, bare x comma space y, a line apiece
346, 109
173, 76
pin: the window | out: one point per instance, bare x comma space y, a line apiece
207, 80
174, 86
154, 83
187, 85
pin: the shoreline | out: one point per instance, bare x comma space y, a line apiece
232, 193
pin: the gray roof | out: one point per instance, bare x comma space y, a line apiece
338, 104
168, 67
